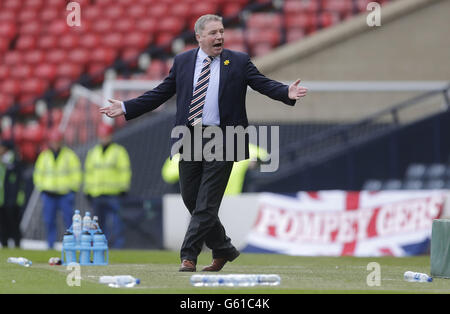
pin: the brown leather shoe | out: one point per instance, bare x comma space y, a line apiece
187, 265
218, 263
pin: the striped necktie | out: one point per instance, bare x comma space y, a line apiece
199, 95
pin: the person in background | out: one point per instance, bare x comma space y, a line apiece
170, 171
11, 194
107, 179
57, 175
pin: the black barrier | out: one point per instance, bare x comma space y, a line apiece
142, 219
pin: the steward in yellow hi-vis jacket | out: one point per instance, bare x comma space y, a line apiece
170, 175
107, 178
57, 174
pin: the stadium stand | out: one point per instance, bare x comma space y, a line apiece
42, 57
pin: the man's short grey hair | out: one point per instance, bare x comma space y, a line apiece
202, 20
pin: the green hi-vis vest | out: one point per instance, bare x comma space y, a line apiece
61, 175
108, 172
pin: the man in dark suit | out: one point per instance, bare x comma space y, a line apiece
210, 83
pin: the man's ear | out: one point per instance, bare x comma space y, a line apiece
197, 36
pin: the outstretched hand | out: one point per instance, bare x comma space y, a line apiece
114, 110
296, 91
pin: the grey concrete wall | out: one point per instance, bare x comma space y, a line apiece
414, 46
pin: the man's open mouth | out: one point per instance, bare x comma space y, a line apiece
218, 45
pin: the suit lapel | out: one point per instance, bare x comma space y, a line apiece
224, 69
190, 74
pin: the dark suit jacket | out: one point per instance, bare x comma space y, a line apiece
236, 73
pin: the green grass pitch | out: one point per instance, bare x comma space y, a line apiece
158, 271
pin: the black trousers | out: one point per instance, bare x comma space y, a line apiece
202, 185
10, 225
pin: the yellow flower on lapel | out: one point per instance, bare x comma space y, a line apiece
226, 62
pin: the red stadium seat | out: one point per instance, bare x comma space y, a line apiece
47, 42
125, 26
7, 16
327, 19
22, 71
10, 87
69, 41
34, 57
57, 27
257, 37
136, 11
96, 71
265, 21
164, 38
113, 40
27, 14
306, 22
342, 7
8, 29
158, 10
62, 86
170, 25
28, 151
148, 25
113, 12
234, 36
90, 41
4, 72
79, 56
305, 6
230, 9
26, 42
56, 56
45, 71
12, 5
33, 132
92, 13
32, 27
34, 86
6, 102
130, 55
4, 44
200, 8
102, 26
137, 40
69, 70
181, 10
56, 4
13, 57
33, 4
103, 55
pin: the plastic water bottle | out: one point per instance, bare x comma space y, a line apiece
99, 248
69, 243
87, 225
20, 261
119, 281
76, 226
85, 248
235, 280
417, 277
94, 223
